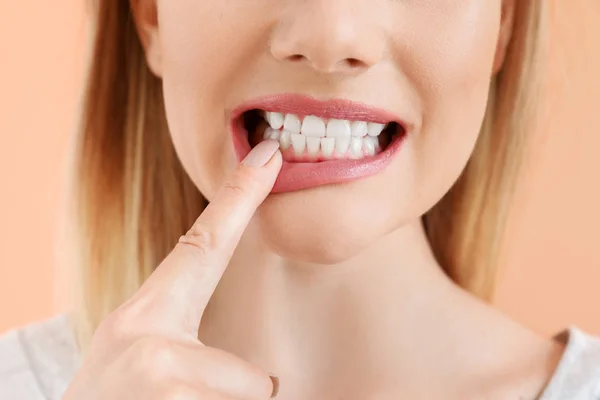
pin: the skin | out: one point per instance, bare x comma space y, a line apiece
333, 289
150, 345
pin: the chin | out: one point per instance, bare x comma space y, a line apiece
325, 225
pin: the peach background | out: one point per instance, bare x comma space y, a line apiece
553, 263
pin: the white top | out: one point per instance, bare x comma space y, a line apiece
38, 362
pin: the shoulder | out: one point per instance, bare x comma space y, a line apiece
38, 361
577, 376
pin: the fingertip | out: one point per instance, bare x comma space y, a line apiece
262, 154
276, 160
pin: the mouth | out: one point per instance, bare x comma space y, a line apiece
321, 142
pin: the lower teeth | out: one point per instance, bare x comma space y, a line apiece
327, 147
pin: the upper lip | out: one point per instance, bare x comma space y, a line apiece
327, 109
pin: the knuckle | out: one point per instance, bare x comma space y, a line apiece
255, 381
258, 382
117, 327
243, 181
154, 358
235, 190
180, 391
200, 239
264, 385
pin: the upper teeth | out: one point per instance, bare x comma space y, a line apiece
312, 136
312, 126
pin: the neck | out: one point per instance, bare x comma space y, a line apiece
380, 313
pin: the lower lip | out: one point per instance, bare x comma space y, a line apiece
298, 176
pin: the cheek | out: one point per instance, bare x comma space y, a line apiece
453, 81
201, 48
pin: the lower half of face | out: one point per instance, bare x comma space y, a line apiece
377, 106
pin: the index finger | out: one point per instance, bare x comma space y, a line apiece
180, 288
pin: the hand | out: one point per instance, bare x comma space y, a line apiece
149, 348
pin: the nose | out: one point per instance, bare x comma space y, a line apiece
332, 36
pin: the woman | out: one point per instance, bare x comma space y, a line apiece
350, 163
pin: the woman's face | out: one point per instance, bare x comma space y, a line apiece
424, 66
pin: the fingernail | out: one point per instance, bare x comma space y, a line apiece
261, 153
275, 381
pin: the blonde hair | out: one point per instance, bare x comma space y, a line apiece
133, 198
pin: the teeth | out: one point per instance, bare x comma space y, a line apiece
285, 140
273, 134
341, 145
317, 127
313, 127
375, 129
313, 144
313, 135
338, 128
274, 119
359, 129
298, 143
327, 146
370, 145
292, 123
356, 147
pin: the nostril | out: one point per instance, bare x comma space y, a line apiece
354, 63
330, 65
296, 57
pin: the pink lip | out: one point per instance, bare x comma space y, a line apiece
297, 176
